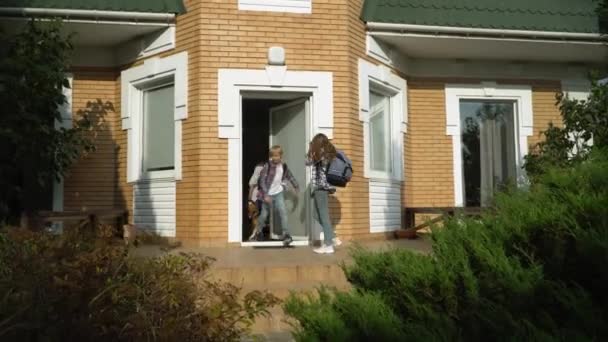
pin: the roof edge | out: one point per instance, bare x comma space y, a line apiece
429, 29
88, 14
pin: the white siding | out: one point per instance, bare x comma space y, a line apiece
293, 6
384, 205
154, 206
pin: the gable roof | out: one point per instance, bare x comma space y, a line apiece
151, 6
533, 15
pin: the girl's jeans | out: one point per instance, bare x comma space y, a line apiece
278, 202
321, 200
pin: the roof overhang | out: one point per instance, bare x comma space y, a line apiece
437, 42
112, 36
77, 14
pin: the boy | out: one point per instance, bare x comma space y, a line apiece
274, 176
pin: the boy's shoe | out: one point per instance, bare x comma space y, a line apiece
324, 250
337, 242
287, 240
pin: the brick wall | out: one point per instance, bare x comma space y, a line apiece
92, 181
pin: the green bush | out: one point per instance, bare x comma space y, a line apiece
79, 287
535, 270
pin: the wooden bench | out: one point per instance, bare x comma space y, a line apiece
410, 230
89, 217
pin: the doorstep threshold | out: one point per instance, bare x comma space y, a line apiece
273, 243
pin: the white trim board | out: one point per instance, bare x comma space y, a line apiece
384, 205
290, 6
66, 122
522, 94
232, 84
154, 206
146, 45
295, 243
576, 89
380, 78
386, 54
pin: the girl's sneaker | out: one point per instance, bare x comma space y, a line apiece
324, 250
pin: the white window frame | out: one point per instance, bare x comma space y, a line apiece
521, 94
381, 80
289, 6
134, 82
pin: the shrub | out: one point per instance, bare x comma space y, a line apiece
534, 270
82, 287
585, 128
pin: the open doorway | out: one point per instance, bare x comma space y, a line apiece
279, 120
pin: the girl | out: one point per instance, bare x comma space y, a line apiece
320, 153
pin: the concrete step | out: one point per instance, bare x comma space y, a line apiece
281, 281
301, 277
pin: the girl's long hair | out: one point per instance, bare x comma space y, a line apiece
321, 147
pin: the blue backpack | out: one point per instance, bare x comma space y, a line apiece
340, 170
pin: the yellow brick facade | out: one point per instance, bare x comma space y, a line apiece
92, 183
217, 35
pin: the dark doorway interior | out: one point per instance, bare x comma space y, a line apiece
256, 131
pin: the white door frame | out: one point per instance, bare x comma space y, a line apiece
233, 85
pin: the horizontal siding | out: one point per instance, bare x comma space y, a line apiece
384, 205
154, 206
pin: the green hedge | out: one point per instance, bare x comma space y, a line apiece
536, 270
81, 287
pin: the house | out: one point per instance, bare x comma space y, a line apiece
436, 102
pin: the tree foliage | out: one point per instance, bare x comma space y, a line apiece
585, 127
34, 67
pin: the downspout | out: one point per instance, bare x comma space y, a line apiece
466, 31
88, 14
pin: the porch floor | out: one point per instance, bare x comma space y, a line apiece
282, 271
245, 257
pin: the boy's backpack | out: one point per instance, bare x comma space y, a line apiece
340, 170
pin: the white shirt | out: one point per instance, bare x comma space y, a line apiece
276, 186
253, 181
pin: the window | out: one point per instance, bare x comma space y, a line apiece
489, 149
380, 132
154, 103
158, 129
293, 6
490, 124
383, 112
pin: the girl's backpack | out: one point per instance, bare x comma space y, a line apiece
340, 170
